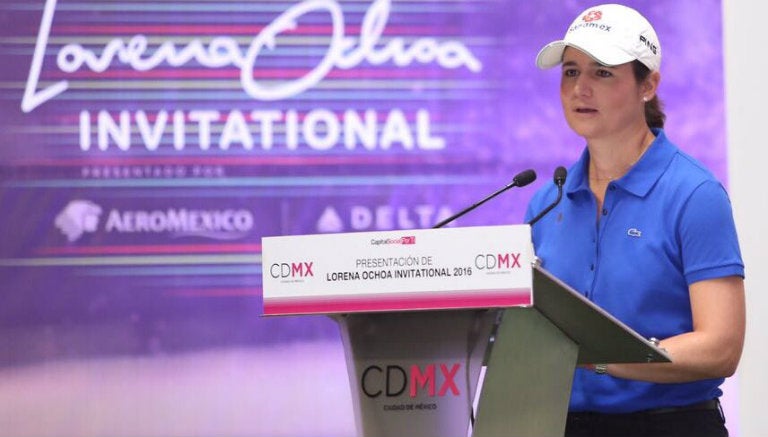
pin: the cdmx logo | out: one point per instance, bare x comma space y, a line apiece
393, 380
301, 269
498, 261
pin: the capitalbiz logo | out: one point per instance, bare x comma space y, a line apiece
411, 239
81, 216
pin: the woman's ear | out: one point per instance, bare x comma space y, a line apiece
650, 85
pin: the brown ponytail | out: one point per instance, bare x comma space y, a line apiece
654, 109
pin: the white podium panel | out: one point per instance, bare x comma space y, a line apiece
425, 269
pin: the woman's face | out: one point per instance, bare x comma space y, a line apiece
601, 102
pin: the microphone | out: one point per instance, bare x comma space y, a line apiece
559, 179
521, 179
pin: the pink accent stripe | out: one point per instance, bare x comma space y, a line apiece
135, 249
302, 115
250, 29
215, 292
398, 302
153, 116
231, 73
231, 160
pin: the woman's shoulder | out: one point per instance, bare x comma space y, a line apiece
691, 185
686, 171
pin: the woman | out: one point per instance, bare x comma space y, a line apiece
645, 232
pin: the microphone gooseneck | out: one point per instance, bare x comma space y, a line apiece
521, 179
559, 180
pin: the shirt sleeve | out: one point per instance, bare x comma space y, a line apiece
707, 233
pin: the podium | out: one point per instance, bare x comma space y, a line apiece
423, 312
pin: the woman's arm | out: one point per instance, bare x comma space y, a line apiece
712, 349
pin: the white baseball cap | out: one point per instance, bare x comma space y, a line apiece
611, 34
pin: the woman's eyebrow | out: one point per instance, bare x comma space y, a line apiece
592, 64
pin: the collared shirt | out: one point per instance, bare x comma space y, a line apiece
664, 225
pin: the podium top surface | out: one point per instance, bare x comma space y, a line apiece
601, 337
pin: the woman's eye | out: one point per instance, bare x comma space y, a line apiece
604, 73
570, 72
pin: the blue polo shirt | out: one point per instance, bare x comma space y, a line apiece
665, 225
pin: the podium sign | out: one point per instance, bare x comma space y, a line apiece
417, 373
426, 269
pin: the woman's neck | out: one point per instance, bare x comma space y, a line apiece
610, 159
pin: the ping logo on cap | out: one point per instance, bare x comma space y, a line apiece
650, 44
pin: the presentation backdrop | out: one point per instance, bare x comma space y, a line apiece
146, 147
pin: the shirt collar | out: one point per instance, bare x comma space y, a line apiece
640, 178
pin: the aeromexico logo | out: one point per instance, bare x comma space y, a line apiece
84, 216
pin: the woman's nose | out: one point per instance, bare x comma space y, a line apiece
582, 87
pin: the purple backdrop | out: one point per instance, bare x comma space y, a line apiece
145, 150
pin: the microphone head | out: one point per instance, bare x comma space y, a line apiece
524, 178
560, 174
